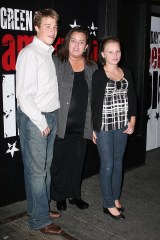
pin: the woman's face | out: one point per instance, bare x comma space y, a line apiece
112, 53
77, 44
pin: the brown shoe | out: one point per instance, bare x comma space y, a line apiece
52, 229
54, 214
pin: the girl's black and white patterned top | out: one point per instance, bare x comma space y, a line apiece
115, 105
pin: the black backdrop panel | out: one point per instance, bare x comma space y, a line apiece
84, 12
16, 22
135, 36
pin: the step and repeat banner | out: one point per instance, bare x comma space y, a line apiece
153, 91
16, 23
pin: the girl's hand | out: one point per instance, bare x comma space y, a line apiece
131, 125
130, 129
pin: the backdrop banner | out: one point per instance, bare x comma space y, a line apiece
16, 23
153, 125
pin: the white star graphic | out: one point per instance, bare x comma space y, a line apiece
92, 29
12, 148
74, 24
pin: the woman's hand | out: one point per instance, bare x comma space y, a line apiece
94, 137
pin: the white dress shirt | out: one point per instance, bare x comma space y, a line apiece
36, 82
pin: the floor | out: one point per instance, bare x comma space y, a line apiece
140, 197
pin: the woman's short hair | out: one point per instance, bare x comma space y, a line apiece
63, 51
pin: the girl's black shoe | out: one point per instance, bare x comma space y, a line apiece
119, 217
121, 209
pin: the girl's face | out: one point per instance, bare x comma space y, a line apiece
112, 53
77, 44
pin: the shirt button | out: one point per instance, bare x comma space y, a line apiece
67, 103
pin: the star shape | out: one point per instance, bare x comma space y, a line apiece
74, 24
92, 29
157, 115
12, 148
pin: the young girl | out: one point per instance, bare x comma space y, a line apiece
114, 116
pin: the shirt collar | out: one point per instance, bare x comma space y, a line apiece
50, 49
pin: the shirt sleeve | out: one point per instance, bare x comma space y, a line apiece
26, 87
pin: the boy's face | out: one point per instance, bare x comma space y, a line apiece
47, 31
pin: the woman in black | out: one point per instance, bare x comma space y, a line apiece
74, 73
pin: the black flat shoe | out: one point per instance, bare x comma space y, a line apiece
119, 217
61, 205
122, 209
79, 203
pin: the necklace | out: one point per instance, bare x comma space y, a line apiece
115, 75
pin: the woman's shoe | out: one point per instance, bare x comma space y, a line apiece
79, 203
61, 205
118, 217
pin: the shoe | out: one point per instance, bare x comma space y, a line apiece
52, 229
121, 209
119, 217
79, 203
54, 214
61, 205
